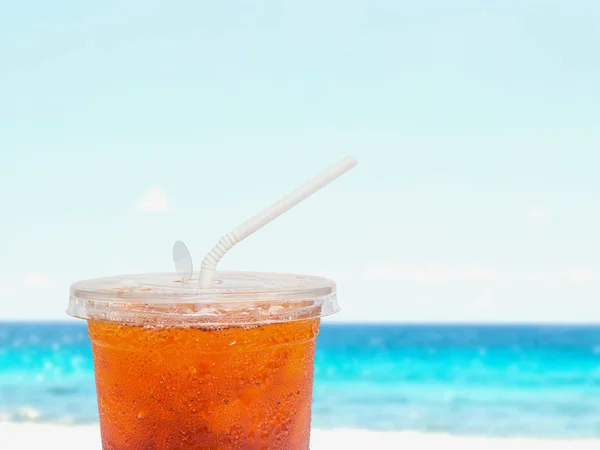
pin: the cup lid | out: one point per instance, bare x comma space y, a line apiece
235, 298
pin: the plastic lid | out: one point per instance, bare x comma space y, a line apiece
235, 298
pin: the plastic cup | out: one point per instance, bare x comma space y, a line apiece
230, 367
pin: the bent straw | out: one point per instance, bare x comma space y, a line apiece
242, 231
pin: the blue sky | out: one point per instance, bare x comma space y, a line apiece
128, 125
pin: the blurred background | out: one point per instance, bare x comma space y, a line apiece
464, 244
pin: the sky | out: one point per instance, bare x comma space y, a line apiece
125, 126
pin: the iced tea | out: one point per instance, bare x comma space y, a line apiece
179, 387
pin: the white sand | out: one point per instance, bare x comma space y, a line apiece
30, 437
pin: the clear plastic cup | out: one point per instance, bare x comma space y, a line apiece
229, 367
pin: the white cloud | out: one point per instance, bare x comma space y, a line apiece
37, 280
483, 307
153, 201
535, 276
487, 300
430, 273
537, 215
581, 275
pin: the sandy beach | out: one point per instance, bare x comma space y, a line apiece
26, 437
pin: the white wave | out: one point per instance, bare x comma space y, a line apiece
27, 413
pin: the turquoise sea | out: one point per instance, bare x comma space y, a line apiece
462, 379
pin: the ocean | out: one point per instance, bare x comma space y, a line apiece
535, 381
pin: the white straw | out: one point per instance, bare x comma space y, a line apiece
210, 261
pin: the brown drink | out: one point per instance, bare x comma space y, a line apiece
184, 368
